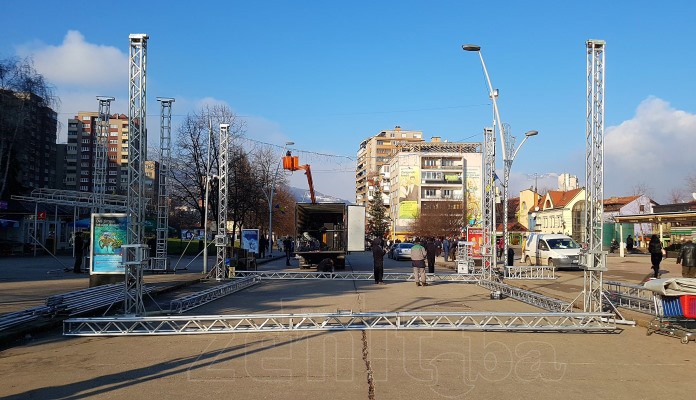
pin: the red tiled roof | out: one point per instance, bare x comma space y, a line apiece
559, 198
620, 201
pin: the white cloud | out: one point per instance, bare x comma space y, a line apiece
76, 62
654, 148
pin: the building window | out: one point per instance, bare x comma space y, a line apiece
84, 180
85, 148
447, 163
429, 193
113, 133
86, 118
446, 193
641, 208
430, 162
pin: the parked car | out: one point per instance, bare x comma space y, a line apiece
400, 251
556, 250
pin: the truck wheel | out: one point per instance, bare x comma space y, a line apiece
528, 260
550, 262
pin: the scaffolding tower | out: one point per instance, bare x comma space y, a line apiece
159, 263
100, 152
221, 238
488, 247
595, 257
134, 252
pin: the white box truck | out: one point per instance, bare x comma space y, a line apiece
556, 250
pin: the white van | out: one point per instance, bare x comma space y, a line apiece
556, 250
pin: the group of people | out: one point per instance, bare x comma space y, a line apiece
686, 256
422, 251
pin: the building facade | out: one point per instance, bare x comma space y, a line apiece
373, 162
423, 174
28, 130
80, 153
560, 212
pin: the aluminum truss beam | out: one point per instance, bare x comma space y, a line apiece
159, 263
186, 303
526, 296
74, 199
360, 276
101, 161
431, 321
595, 257
530, 272
221, 239
488, 208
137, 154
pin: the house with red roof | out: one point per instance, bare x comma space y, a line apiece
560, 212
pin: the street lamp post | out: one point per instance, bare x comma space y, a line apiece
270, 202
507, 165
497, 124
508, 154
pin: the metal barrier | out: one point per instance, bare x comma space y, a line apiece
630, 296
530, 272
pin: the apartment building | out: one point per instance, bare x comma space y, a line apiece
425, 174
80, 153
373, 162
28, 128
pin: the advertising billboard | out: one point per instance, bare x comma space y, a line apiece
250, 240
475, 236
108, 235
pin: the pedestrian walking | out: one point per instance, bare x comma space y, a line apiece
287, 247
378, 253
79, 244
687, 258
629, 244
445, 248
655, 249
418, 254
501, 248
431, 250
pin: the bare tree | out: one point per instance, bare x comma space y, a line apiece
195, 157
676, 196
691, 183
642, 189
21, 90
438, 219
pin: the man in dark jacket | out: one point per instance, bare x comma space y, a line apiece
431, 248
287, 248
79, 252
378, 258
687, 258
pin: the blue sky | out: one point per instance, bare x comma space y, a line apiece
327, 75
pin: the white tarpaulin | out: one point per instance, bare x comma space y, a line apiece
672, 286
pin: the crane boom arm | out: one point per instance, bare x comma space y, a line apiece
291, 163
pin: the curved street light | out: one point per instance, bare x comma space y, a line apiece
508, 156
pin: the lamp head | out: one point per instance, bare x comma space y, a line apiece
531, 133
289, 143
471, 47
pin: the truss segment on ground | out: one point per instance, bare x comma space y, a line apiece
431, 321
360, 276
526, 296
186, 303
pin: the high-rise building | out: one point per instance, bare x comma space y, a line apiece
429, 175
80, 153
373, 161
28, 129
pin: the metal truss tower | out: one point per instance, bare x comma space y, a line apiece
595, 258
221, 239
160, 261
100, 152
137, 154
488, 207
